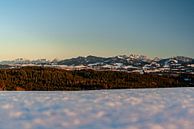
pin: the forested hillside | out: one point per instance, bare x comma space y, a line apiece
40, 78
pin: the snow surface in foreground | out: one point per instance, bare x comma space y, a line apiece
114, 109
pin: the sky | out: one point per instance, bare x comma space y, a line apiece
69, 28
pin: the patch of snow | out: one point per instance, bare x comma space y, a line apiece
94, 64
130, 66
107, 66
119, 64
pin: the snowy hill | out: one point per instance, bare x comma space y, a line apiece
137, 60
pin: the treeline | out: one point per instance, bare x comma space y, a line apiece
48, 79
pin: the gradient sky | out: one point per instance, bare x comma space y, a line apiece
69, 28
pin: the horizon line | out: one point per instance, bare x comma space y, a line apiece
51, 59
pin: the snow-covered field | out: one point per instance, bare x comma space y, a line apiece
114, 109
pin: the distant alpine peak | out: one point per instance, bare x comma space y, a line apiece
20, 59
132, 56
182, 58
156, 59
136, 55
122, 56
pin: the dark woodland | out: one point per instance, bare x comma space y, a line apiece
51, 79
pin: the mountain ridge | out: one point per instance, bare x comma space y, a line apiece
131, 63
132, 59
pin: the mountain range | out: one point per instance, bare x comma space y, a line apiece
116, 62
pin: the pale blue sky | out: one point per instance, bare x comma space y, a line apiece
69, 28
